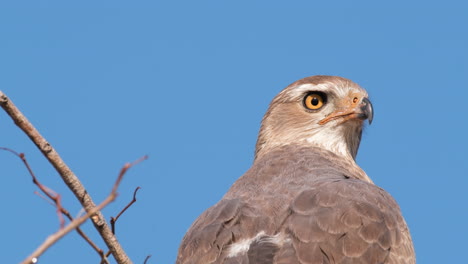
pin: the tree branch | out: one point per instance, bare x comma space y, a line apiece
114, 219
55, 197
46, 190
67, 176
80, 220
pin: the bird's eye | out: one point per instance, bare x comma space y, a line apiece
314, 101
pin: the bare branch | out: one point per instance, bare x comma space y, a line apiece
67, 176
114, 219
84, 236
52, 239
104, 260
56, 201
55, 197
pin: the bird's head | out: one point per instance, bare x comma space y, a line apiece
322, 111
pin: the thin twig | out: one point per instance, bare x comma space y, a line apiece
85, 237
114, 219
104, 260
55, 197
52, 239
99, 251
51, 194
62, 232
44, 198
67, 176
146, 259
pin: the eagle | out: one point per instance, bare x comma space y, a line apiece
305, 200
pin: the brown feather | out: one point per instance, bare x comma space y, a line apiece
304, 200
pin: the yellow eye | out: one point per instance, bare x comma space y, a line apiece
314, 101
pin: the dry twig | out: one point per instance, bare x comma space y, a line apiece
80, 220
51, 194
114, 219
68, 177
146, 259
55, 197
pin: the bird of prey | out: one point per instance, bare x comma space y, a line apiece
305, 200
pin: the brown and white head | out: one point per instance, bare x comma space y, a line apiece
322, 111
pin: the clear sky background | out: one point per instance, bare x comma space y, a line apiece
187, 82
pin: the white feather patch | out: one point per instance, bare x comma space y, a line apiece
243, 246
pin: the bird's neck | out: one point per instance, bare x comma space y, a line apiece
341, 141
308, 155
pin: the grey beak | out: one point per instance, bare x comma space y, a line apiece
367, 110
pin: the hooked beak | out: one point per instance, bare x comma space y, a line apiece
367, 111
360, 110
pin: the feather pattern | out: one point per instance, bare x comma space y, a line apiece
301, 202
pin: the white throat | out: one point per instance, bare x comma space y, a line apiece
336, 140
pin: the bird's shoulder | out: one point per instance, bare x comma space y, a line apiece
344, 221
287, 210
227, 222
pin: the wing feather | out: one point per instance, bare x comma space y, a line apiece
304, 218
363, 226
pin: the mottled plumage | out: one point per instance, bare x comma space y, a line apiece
304, 200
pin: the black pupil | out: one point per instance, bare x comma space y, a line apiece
315, 101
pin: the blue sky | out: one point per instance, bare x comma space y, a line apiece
187, 82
